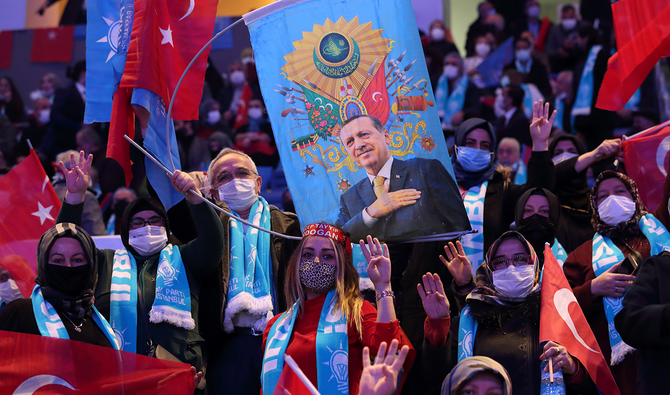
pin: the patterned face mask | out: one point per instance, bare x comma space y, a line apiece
317, 277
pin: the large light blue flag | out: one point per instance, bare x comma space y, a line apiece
492, 67
321, 62
156, 143
102, 39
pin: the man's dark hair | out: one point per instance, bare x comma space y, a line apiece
376, 122
522, 39
568, 7
516, 94
591, 34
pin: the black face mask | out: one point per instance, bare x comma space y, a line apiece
70, 281
538, 230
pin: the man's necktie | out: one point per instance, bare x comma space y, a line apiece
378, 185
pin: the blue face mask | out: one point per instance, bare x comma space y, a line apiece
473, 159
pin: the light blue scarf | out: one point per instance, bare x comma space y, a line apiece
250, 268
447, 107
521, 175
605, 255
467, 330
473, 243
50, 324
584, 98
521, 69
527, 101
332, 349
361, 265
559, 106
172, 302
559, 253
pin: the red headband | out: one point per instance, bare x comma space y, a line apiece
329, 231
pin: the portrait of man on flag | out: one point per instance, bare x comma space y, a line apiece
348, 94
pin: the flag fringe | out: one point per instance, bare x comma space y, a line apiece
619, 352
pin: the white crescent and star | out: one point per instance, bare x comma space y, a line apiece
661, 153
190, 9
43, 213
34, 383
167, 36
376, 93
562, 299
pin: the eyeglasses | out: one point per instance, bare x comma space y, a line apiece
502, 263
241, 174
137, 223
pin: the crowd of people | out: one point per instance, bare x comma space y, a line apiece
535, 163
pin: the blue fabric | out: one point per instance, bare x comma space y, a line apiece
250, 268
634, 100
584, 97
559, 253
492, 67
448, 106
123, 300
50, 324
559, 106
521, 175
473, 244
156, 143
332, 349
312, 155
172, 303
226, 40
527, 101
521, 69
361, 266
606, 255
102, 38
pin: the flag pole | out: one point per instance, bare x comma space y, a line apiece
298, 372
176, 88
214, 206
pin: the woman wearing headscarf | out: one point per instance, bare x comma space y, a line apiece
572, 188
478, 375
483, 186
499, 317
624, 229
329, 323
67, 275
538, 213
149, 290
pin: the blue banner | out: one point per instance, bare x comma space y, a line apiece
226, 40
102, 38
322, 62
492, 67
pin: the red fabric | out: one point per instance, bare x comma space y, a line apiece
646, 159
155, 64
25, 192
302, 346
6, 49
542, 35
289, 383
436, 331
87, 368
243, 107
330, 231
377, 106
562, 321
122, 123
643, 37
52, 45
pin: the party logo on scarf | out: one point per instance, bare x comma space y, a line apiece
321, 63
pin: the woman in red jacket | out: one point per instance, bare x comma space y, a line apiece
329, 323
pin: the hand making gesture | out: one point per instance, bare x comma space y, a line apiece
76, 177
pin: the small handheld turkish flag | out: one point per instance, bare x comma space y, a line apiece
562, 321
30, 207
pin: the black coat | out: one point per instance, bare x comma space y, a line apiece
644, 323
67, 117
537, 75
517, 127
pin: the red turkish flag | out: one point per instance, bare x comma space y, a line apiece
375, 97
642, 37
36, 364
52, 45
166, 36
243, 107
30, 207
562, 321
6, 49
646, 158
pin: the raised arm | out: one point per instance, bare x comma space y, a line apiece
379, 270
606, 149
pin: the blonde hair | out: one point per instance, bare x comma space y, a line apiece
348, 297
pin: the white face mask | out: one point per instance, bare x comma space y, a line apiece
237, 77
239, 194
562, 157
147, 240
616, 209
9, 291
569, 24
533, 11
515, 281
213, 116
482, 49
522, 54
255, 113
44, 116
437, 33
450, 71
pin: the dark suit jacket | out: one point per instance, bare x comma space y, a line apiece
438, 210
537, 75
517, 127
67, 117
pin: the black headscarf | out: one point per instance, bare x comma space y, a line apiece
137, 205
74, 305
538, 229
563, 137
467, 179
